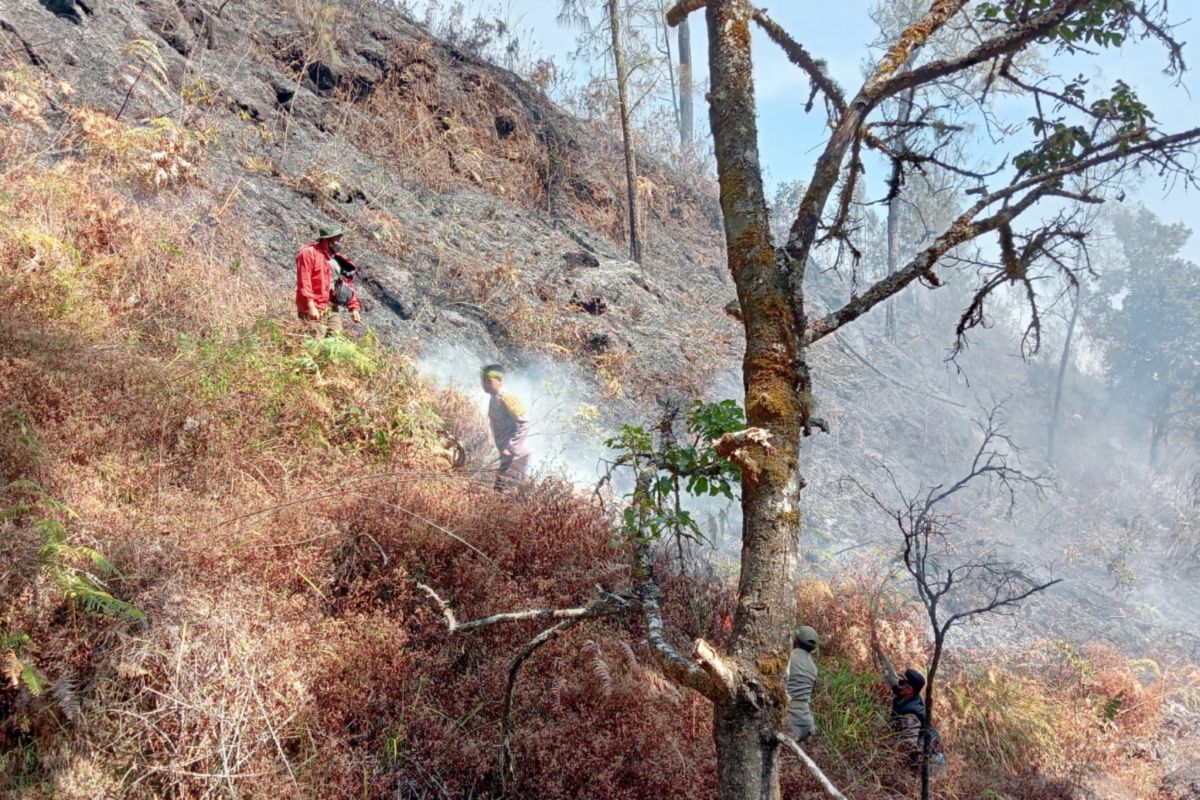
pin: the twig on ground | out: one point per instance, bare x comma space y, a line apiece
790, 744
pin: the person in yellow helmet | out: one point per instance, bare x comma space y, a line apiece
510, 428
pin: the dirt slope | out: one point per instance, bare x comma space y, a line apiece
481, 214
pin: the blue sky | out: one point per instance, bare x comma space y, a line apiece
840, 33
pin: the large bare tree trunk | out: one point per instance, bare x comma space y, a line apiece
666, 32
745, 721
635, 242
685, 84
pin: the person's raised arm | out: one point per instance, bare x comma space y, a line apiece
885, 665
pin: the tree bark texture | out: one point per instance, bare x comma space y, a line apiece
893, 212
745, 721
635, 242
685, 84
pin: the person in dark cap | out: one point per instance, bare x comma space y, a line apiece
510, 428
325, 282
801, 677
909, 719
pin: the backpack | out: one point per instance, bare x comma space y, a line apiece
341, 290
937, 757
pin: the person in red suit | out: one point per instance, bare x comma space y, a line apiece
325, 282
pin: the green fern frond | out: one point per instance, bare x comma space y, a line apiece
14, 511
15, 641
98, 601
332, 351
39, 495
24, 485
53, 532
98, 560
33, 680
79, 588
23, 673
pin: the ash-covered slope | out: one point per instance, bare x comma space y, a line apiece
481, 214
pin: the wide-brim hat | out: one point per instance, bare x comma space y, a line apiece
330, 231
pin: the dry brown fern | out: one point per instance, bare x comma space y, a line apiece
599, 666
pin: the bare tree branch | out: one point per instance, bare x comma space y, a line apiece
678, 12
1017, 37
978, 581
999, 601
508, 764
921, 266
815, 68
966, 227
607, 605
826, 784
804, 229
683, 671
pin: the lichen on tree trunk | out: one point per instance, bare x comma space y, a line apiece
744, 724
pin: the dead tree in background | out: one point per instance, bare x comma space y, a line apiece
631, 191
1078, 149
955, 583
1062, 374
893, 211
685, 85
577, 13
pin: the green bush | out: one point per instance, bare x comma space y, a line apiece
852, 719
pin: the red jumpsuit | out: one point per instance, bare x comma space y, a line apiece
314, 280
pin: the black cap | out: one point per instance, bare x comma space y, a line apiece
914, 679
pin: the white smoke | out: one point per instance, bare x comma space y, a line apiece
570, 420
566, 414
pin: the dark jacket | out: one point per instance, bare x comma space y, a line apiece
907, 718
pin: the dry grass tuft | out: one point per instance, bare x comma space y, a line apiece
160, 154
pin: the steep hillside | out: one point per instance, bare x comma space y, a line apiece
218, 526
482, 215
